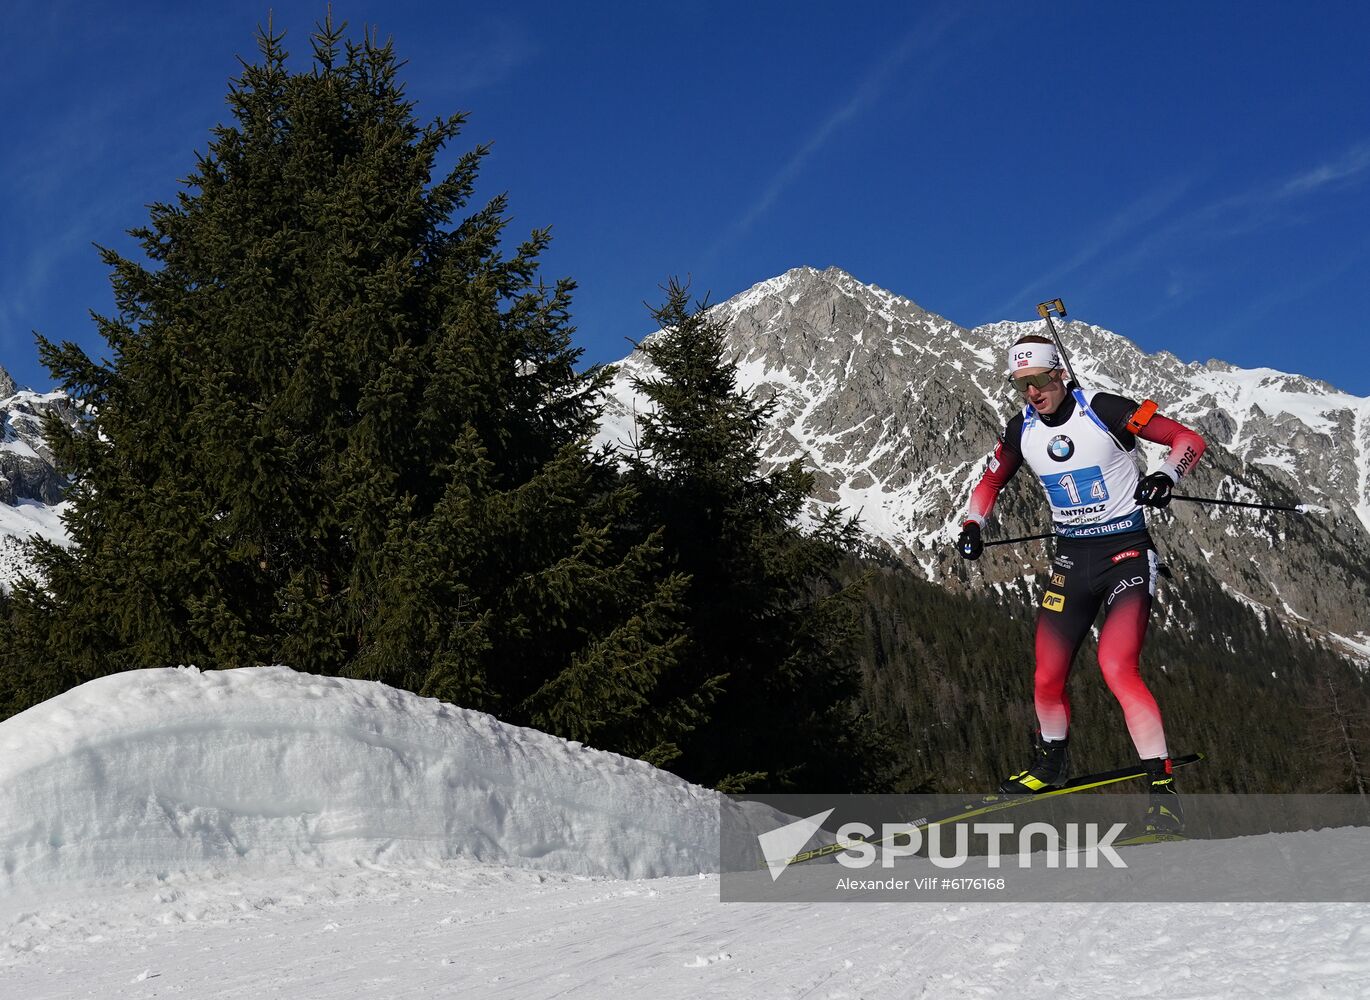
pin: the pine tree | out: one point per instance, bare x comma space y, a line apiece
1338, 741
772, 636
339, 429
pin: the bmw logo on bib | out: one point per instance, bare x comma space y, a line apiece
1061, 448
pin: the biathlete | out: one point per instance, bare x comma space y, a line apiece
1082, 446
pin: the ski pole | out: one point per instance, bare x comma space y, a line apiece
1025, 538
1302, 508
1044, 310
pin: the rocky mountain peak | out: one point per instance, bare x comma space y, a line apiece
31, 488
895, 409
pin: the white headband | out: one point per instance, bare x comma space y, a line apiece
1030, 355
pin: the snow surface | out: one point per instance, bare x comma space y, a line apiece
155, 772
261, 832
18, 523
33, 517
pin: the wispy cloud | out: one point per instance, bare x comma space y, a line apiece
1351, 164
1130, 240
1287, 293
1280, 202
1132, 219
500, 48
869, 90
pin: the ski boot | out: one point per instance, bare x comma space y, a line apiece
1163, 812
1049, 768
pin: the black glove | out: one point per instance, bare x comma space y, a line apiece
1154, 490
968, 542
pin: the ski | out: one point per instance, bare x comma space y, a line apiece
1151, 838
994, 803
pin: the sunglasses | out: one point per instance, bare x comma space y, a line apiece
1041, 380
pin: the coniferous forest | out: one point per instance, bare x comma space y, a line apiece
343, 425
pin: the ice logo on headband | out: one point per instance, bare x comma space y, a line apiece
1031, 356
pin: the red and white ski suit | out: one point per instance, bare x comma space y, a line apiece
1084, 455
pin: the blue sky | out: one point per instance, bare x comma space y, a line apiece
1193, 176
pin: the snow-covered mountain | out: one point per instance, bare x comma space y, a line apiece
896, 408
30, 486
263, 832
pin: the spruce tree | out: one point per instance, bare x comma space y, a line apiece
340, 429
771, 634
1338, 740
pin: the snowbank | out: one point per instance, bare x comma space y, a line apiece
155, 772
